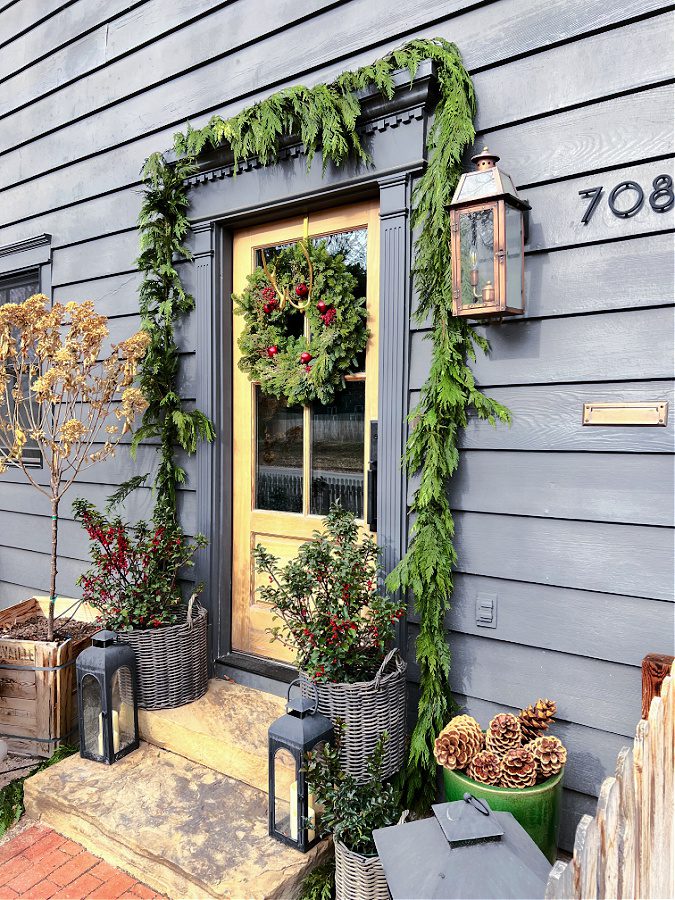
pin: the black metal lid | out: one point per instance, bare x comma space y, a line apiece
104, 638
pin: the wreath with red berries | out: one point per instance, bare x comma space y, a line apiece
304, 326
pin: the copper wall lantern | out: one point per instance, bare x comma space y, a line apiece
487, 242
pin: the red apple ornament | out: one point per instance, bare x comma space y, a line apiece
301, 290
321, 306
305, 357
272, 351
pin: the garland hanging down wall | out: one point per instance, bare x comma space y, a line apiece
324, 117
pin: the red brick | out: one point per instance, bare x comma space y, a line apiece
18, 844
35, 872
13, 868
75, 867
48, 842
143, 891
7, 894
81, 887
104, 871
113, 888
55, 859
71, 848
41, 891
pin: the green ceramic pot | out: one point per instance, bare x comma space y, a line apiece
536, 808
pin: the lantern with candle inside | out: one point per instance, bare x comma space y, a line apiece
487, 228
293, 816
107, 699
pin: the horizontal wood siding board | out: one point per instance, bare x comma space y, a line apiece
591, 692
574, 807
18, 565
623, 345
612, 627
481, 35
600, 487
22, 17
549, 417
635, 560
115, 295
576, 73
591, 753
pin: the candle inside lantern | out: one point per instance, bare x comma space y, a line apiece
293, 803
488, 293
116, 732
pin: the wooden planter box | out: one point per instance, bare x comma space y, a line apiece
38, 704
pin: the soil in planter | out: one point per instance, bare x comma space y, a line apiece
35, 629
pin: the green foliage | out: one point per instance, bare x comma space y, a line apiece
319, 884
336, 338
326, 598
11, 795
325, 118
352, 810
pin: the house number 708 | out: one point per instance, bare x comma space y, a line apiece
660, 199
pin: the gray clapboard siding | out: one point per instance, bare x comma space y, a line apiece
602, 487
214, 35
598, 694
11, 594
628, 345
115, 295
483, 35
18, 565
576, 73
549, 417
24, 17
574, 807
594, 556
612, 627
591, 752
104, 256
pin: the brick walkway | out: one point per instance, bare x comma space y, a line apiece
43, 865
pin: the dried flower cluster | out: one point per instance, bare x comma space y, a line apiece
514, 751
63, 391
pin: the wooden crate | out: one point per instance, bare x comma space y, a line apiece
38, 707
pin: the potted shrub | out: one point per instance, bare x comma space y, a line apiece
332, 616
134, 585
350, 810
516, 765
67, 394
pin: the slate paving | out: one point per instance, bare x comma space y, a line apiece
40, 864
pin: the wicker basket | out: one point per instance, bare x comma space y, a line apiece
367, 709
358, 877
172, 662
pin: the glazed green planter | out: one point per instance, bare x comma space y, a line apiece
536, 808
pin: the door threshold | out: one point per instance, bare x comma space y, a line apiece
267, 675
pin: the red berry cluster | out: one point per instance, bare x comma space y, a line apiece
271, 303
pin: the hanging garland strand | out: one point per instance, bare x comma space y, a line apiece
324, 117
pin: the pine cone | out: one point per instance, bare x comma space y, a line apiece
485, 767
458, 743
550, 755
519, 768
503, 733
537, 718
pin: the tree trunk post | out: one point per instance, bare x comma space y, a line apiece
54, 570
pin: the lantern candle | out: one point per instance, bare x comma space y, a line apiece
116, 732
293, 802
488, 293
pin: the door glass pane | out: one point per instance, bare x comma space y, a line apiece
278, 483
476, 235
337, 451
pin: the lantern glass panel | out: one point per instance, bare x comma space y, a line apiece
514, 259
286, 806
122, 709
92, 736
476, 237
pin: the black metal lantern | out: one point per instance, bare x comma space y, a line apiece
293, 816
487, 220
107, 699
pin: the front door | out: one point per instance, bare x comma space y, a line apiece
291, 463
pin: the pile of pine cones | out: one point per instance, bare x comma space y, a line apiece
514, 752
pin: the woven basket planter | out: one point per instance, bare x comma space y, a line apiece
367, 709
358, 877
172, 661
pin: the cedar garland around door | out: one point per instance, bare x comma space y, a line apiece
324, 117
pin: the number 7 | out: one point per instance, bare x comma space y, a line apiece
595, 194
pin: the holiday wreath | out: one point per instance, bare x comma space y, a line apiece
304, 285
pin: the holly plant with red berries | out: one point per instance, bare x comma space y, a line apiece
327, 601
304, 328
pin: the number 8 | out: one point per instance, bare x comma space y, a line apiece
663, 190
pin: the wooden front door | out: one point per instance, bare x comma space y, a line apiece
291, 463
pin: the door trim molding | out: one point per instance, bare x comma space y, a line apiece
221, 204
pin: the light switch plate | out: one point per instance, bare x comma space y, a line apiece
486, 610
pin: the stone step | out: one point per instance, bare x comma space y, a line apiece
185, 830
226, 730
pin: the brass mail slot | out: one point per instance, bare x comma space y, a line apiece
646, 412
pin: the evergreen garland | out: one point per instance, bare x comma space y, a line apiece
324, 117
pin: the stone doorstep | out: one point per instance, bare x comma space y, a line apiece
183, 829
225, 730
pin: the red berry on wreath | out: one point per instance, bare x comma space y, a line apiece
305, 357
272, 351
321, 306
308, 368
267, 309
268, 293
301, 289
